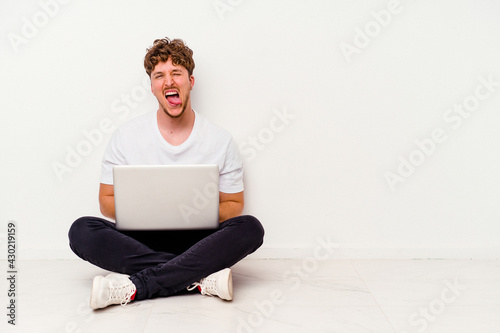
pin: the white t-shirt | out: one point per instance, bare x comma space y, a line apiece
139, 142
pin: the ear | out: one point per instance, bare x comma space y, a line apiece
191, 81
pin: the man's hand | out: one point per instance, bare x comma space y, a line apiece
107, 200
230, 205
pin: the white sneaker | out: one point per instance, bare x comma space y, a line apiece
217, 284
112, 289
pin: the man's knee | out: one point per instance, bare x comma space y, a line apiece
79, 232
78, 228
255, 226
254, 230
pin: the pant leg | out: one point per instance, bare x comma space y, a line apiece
97, 241
154, 271
235, 239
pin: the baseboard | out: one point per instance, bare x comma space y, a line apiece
323, 253
380, 253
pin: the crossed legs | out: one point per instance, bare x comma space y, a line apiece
163, 263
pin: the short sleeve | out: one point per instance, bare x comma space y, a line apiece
231, 175
113, 155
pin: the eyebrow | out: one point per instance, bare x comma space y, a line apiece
175, 70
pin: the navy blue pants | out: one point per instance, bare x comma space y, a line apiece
163, 263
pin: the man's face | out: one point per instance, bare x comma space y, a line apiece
171, 85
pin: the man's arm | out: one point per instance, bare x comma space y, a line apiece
230, 205
107, 200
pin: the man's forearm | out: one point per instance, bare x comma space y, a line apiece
107, 205
229, 209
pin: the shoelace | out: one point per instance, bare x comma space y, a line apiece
206, 285
121, 292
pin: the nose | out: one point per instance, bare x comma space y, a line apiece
168, 81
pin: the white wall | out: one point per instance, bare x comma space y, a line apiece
353, 106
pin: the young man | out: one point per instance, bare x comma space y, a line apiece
150, 264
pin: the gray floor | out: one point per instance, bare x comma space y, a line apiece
303, 295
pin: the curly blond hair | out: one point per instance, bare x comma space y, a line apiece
163, 49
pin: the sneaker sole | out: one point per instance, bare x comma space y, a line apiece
227, 290
94, 295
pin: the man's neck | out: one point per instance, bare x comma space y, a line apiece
175, 130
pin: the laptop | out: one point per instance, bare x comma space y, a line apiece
166, 197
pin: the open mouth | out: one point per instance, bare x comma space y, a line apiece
173, 97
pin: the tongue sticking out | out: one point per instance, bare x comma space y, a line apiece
174, 99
